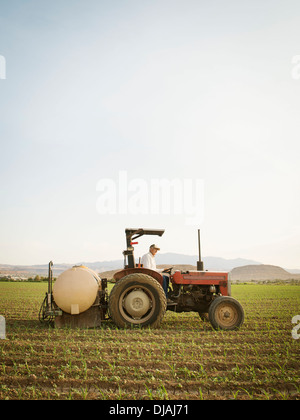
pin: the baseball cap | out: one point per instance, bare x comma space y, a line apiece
155, 246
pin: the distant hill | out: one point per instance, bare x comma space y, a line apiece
261, 272
31, 270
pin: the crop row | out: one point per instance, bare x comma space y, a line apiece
184, 359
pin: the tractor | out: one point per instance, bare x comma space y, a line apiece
79, 297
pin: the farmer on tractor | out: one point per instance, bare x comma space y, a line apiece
140, 294
148, 261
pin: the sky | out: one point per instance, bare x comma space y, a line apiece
102, 101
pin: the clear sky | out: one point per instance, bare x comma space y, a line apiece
160, 89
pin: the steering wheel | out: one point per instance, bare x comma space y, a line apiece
168, 270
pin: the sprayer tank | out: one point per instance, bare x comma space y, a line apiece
75, 290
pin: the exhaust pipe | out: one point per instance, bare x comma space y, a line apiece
200, 266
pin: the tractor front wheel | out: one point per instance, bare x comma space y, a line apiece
137, 300
226, 313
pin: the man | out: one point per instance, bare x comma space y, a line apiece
148, 261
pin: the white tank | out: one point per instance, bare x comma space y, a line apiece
75, 290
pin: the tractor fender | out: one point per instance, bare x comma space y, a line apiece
126, 271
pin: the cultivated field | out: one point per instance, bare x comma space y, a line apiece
184, 359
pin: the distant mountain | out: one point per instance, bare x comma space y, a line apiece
293, 271
241, 269
100, 266
210, 263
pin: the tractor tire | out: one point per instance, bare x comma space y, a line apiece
226, 313
137, 300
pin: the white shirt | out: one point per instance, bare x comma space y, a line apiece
148, 261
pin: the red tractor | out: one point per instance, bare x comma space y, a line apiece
139, 299
79, 297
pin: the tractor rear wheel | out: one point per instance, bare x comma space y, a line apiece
226, 313
137, 300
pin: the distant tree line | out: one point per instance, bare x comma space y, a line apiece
36, 279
